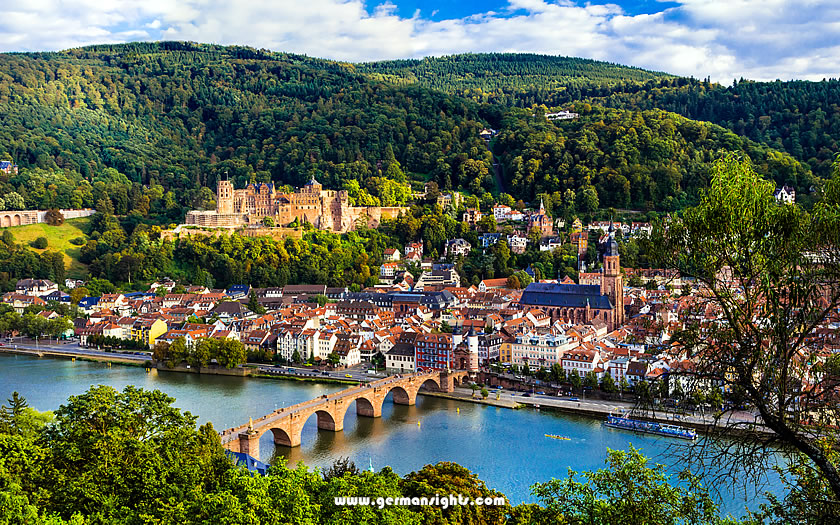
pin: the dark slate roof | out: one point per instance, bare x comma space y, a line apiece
402, 349
565, 296
229, 307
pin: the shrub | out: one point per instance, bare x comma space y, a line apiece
40, 243
78, 241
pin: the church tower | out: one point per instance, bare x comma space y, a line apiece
612, 284
224, 197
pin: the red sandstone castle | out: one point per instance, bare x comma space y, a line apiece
324, 209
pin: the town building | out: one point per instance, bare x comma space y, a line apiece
457, 248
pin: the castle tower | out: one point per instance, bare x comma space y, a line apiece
224, 197
612, 284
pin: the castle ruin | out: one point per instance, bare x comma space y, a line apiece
324, 209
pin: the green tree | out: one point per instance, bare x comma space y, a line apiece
782, 260
254, 303
230, 353
53, 217
608, 384
109, 452
40, 243
628, 492
333, 359
14, 201
574, 379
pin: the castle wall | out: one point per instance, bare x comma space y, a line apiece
325, 209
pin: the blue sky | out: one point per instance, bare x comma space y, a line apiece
722, 39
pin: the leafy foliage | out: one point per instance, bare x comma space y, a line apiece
639, 159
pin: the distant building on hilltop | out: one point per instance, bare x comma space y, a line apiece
785, 195
8, 167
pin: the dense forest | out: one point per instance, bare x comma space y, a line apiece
801, 118
509, 79
181, 115
625, 159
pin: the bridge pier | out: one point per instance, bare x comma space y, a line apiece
249, 443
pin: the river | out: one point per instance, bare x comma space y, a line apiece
506, 448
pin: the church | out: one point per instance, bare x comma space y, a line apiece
584, 303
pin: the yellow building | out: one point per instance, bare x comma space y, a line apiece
505, 352
148, 330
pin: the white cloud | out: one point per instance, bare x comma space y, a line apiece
724, 39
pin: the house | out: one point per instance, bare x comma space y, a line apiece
400, 359
442, 277
489, 239
391, 254
517, 243
501, 212
472, 216
230, 310
416, 247
457, 247
541, 221
148, 330
8, 167
447, 200
35, 287
73, 283
238, 291
636, 371
550, 244
19, 302
581, 360
388, 271
540, 350
492, 284
785, 195
257, 340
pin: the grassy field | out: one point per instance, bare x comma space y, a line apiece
59, 240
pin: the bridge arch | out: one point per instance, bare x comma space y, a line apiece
401, 396
365, 407
16, 219
431, 384
5, 221
326, 421
281, 437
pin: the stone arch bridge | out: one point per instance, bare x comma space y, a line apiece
287, 423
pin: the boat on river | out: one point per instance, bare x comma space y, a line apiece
555, 436
650, 427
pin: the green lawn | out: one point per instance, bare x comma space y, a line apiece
59, 240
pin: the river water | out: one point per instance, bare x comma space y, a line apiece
506, 448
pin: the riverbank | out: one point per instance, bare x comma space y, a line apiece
462, 396
103, 357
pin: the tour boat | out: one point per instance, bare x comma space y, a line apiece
555, 436
650, 427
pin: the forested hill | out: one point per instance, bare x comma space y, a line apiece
175, 116
181, 114
625, 159
514, 79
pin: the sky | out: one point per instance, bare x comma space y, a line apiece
721, 39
